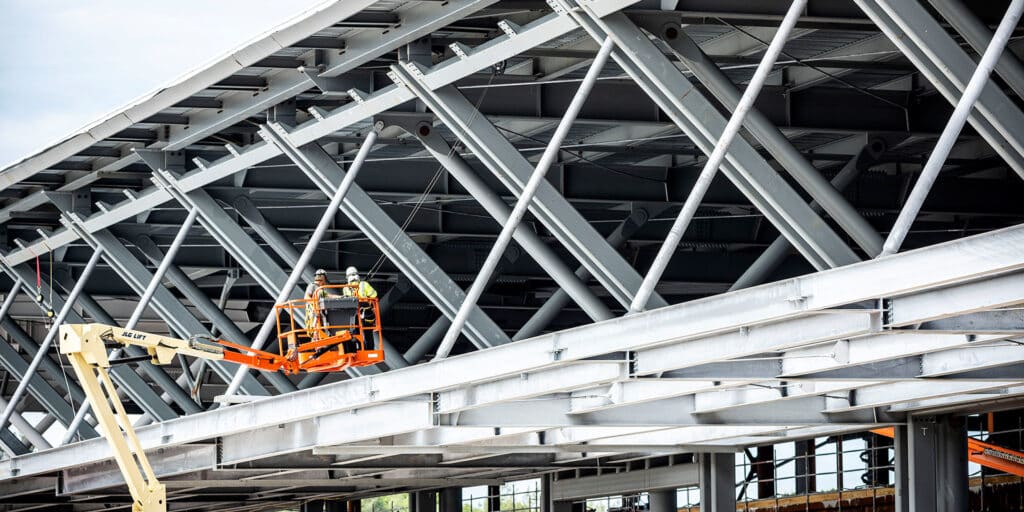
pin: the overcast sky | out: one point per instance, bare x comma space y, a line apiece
65, 63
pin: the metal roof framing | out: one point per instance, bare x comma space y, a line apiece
550, 372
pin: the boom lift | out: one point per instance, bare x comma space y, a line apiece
326, 333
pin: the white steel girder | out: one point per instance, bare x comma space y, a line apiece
915, 271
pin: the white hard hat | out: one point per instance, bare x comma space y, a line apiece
352, 274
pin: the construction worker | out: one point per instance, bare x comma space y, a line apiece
316, 288
319, 280
363, 290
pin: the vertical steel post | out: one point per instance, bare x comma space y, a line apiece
307, 253
717, 156
550, 153
147, 295
45, 345
952, 130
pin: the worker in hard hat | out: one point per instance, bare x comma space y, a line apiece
360, 288
319, 281
317, 288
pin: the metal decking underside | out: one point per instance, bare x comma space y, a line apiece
811, 353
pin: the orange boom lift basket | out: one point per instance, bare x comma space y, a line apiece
330, 332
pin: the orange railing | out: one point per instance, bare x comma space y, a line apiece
330, 331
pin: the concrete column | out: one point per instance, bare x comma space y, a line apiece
423, 501
717, 482
450, 499
662, 500
938, 463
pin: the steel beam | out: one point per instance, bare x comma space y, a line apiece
130, 382
948, 68
401, 250
277, 241
501, 48
497, 208
978, 35
628, 482
28, 432
673, 412
824, 194
715, 158
554, 305
937, 158
513, 170
529, 190
235, 240
978, 295
177, 316
777, 251
702, 123
361, 47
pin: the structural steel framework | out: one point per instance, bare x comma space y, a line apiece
772, 312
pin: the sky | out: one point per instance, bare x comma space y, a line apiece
66, 63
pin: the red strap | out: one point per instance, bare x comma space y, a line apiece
39, 275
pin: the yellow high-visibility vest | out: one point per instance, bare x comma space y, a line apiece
365, 291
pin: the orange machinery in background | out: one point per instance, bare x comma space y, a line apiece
986, 454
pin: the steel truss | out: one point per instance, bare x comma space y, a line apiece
854, 346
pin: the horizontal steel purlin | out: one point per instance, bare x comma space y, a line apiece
919, 270
444, 73
360, 48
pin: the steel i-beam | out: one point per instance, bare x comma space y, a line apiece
979, 79
170, 309
570, 284
702, 123
129, 381
401, 250
978, 35
715, 158
777, 251
525, 198
513, 170
941, 60
767, 133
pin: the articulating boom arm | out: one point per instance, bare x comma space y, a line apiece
85, 345
341, 333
